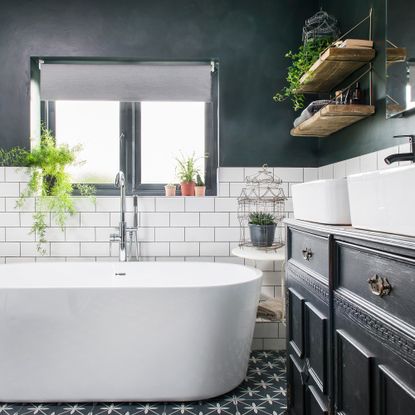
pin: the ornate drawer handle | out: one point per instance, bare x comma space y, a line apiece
379, 286
307, 253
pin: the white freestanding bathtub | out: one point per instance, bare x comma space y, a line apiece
160, 331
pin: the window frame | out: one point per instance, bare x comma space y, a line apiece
130, 145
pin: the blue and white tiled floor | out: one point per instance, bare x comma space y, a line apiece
262, 393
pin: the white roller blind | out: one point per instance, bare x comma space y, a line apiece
125, 82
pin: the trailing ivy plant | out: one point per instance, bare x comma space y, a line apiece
301, 62
50, 184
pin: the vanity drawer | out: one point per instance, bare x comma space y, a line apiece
309, 251
382, 279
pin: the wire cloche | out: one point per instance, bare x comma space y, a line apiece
320, 25
263, 193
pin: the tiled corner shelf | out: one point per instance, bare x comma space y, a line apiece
331, 119
333, 67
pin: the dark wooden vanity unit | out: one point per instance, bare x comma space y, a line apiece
351, 321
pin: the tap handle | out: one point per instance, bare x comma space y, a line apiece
114, 237
119, 179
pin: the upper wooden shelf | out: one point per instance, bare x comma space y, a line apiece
395, 55
333, 67
332, 118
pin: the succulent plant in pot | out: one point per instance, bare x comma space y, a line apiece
170, 189
262, 228
200, 188
186, 172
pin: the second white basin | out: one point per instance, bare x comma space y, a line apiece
322, 201
384, 200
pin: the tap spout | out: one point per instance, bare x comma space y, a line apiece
393, 158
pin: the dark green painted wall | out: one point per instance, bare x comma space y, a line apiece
376, 132
249, 37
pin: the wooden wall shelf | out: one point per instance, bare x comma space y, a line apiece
395, 55
333, 67
332, 118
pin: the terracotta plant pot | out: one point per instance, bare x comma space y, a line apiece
187, 188
200, 190
170, 190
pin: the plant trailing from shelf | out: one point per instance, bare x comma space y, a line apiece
50, 184
301, 62
261, 228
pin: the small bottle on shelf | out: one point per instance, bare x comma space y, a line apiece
357, 95
339, 97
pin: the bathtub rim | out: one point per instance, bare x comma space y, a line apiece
113, 281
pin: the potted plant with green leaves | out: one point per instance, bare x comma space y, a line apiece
200, 188
170, 189
186, 172
262, 228
50, 184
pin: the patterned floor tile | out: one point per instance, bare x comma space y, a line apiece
263, 392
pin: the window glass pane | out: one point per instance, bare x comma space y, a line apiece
96, 126
168, 129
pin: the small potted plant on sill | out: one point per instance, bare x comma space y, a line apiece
262, 229
170, 189
186, 172
200, 188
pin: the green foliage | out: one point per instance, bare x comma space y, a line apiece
51, 185
261, 218
186, 169
15, 157
300, 63
199, 181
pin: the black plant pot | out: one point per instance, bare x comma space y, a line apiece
49, 182
262, 235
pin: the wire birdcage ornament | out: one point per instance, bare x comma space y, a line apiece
320, 25
262, 193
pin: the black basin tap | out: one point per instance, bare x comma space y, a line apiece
393, 158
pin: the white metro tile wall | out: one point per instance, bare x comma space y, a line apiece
177, 229
362, 164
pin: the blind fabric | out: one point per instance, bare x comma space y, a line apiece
125, 82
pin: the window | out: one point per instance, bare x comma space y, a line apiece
169, 129
95, 125
134, 117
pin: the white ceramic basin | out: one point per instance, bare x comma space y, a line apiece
384, 200
322, 201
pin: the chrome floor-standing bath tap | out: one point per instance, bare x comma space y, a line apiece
121, 237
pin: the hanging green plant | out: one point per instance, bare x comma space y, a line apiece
15, 157
301, 62
51, 185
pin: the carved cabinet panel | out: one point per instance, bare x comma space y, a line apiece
307, 348
351, 322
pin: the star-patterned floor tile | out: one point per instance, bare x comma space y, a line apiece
263, 392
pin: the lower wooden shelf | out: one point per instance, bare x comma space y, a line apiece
332, 118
